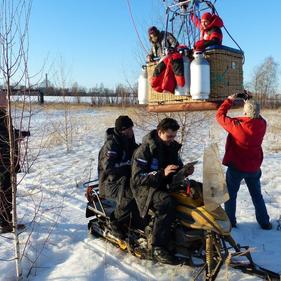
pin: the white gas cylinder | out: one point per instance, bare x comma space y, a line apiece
185, 90
199, 78
142, 87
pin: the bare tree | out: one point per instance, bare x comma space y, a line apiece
75, 92
265, 80
188, 121
63, 131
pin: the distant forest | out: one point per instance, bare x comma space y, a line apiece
100, 95
101, 91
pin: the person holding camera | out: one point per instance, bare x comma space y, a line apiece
5, 165
5, 177
153, 166
244, 155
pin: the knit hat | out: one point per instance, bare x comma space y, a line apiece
3, 100
252, 108
207, 16
123, 122
153, 30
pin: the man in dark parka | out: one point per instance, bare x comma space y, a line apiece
114, 170
153, 166
5, 165
5, 178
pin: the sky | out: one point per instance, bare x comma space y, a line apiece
94, 42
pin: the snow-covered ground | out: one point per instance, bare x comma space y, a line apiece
56, 245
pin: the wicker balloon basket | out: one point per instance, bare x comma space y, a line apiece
162, 98
226, 74
226, 66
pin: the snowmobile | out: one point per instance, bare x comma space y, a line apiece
198, 234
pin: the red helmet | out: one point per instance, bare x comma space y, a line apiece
207, 16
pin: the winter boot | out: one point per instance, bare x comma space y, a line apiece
160, 254
267, 226
116, 227
117, 230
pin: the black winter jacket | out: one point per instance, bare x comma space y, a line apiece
114, 167
5, 152
158, 48
148, 164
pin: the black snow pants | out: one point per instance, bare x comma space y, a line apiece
5, 199
164, 206
126, 211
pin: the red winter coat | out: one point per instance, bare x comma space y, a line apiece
168, 74
213, 30
243, 149
211, 35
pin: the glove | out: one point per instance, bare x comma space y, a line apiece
149, 58
199, 45
178, 184
189, 170
232, 97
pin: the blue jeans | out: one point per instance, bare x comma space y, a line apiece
233, 180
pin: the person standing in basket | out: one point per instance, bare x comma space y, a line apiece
160, 40
210, 31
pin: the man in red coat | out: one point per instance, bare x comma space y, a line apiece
244, 156
210, 31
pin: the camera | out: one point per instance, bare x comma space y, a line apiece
21, 134
244, 96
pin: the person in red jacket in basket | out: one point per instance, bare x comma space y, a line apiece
244, 156
210, 31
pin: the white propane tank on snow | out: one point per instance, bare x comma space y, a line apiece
199, 77
142, 87
185, 90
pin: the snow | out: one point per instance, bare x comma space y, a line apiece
56, 243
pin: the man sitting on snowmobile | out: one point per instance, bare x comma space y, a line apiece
114, 171
153, 165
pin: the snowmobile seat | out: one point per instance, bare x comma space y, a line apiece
108, 205
102, 206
